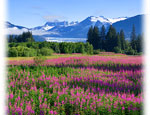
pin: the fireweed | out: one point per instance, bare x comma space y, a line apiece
76, 85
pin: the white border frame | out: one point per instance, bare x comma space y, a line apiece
146, 89
2, 58
146, 84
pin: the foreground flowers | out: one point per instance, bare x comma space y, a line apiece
77, 85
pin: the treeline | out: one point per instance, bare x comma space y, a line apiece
30, 49
24, 37
113, 41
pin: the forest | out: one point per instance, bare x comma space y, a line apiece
113, 41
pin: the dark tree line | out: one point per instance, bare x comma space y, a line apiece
24, 46
136, 41
113, 41
24, 37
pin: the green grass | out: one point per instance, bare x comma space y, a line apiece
48, 57
66, 55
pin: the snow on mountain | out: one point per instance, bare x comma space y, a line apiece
100, 18
106, 20
73, 23
48, 27
17, 30
114, 20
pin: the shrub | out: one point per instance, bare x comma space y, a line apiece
47, 48
32, 52
102, 50
46, 52
82, 49
38, 60
56, 47
29, 52
12, 52
88, 48
130, 51
20, 50
117, 50
26, 52
96, 51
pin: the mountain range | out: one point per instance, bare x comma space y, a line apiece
65, 29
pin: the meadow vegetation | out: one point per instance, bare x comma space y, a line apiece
83, 85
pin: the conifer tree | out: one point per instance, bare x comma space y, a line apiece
133, 38
139, 43
90, 35
96, 37
118, 41
122, 38
111, 38
10, 39
102, 36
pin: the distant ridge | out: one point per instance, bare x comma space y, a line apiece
65, 29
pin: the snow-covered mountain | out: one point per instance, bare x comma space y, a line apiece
65, 29
15, 29
79, 30
49, 25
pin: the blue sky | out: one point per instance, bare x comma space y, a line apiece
31, 13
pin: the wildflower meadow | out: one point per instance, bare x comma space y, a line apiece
79, 85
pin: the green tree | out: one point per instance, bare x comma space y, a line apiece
122, 39
96, 37
56, 47
117, 49
24, 37
29, 52
88, 48
102, 37
111, 40
139, 43
64, 47
130, 51
118, 41
133, 38
20, 50
46, 51
44, 45
34, 45
10, 39
90, 35
12, 52
82, 49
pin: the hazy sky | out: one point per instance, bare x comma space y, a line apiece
31, 13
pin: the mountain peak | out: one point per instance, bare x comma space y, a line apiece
106, 20
98, 18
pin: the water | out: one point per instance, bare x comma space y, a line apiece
55, 39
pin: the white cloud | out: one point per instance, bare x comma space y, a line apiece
15, 31
52, 18
40, 32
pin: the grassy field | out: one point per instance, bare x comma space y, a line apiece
104, 84
49, 57
65, 55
